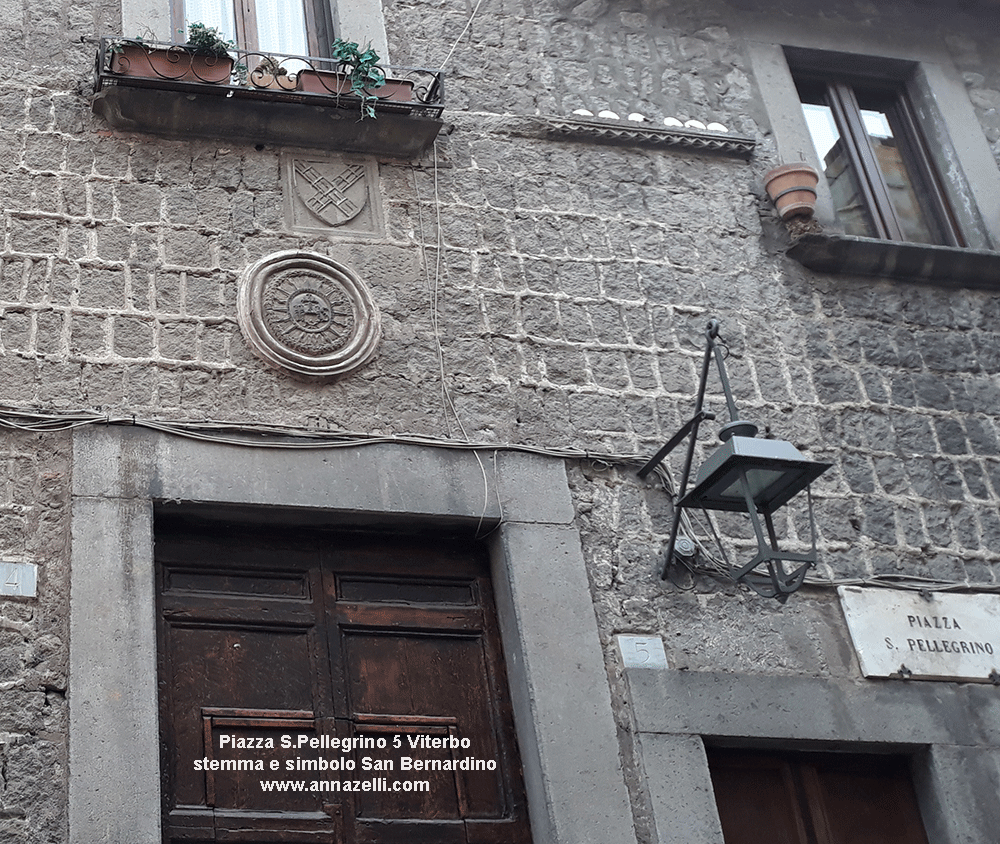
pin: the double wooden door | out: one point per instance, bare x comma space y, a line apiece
320, 686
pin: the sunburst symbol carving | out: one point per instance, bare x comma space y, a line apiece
307, 311
308, 314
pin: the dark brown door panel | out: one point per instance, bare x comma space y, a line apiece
274, 641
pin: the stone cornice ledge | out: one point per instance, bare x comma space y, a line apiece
629, 133
947, 266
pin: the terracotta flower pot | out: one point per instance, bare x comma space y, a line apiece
333, 83
792, 188
274, 82
175, 64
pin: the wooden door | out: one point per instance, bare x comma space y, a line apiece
817, 798
297, 666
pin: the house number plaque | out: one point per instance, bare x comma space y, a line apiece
19, 579
642, 651
924, 635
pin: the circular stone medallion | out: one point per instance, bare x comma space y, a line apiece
308, 314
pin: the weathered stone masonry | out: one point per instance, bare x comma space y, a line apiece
559, 286
34, 528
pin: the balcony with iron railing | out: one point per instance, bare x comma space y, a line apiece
264, 99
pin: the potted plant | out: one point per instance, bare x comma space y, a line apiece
204, 58
270, 73
792, 188
358, 73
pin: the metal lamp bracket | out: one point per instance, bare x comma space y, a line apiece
777, 582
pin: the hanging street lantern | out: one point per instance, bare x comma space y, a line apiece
745, 475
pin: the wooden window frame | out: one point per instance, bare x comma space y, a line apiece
318, 18
841, 95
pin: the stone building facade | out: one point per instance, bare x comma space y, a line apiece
542, 282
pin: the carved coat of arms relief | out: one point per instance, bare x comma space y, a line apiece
332, 195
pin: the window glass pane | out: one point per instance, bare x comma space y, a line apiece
281, 27
217, 13
822, 128
848, 201
898, 179
878, 169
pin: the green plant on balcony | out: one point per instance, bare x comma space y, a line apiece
357, 72
361, 67
205, 57
206, 40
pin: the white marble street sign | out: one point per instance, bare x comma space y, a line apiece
926, 636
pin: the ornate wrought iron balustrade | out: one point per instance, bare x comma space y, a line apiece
260, 74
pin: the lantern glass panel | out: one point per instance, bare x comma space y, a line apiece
760, 480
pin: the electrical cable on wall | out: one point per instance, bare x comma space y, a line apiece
461, 35
434, 288
251, 435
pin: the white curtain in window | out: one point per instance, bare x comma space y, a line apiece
217, 13
281, 27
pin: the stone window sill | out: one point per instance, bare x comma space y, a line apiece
947, 266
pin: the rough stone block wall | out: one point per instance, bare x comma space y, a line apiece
894, 383
123, 298
34, 528
661, 60
614, 259
557, 289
